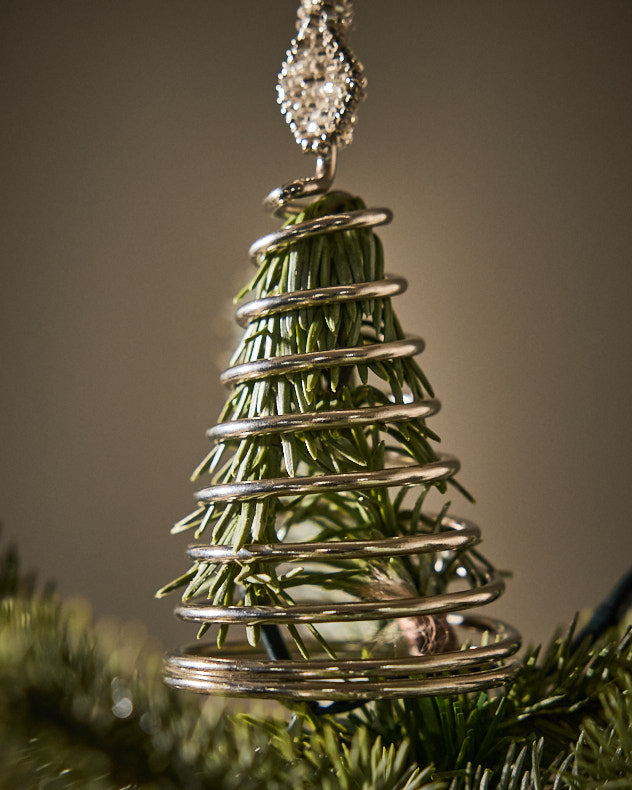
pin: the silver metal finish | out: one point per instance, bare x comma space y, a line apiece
258, 308
317, 420
315, 360
347, 612
357, 667
279, 200
321, 82
445, 467
366, 218
207, 670
464, 534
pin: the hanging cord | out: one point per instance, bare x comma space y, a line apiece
610, 611
276, 650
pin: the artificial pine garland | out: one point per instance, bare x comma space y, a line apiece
85, 707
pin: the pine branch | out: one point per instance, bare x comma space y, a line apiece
603, 755
547, 704
85, 707
78, 710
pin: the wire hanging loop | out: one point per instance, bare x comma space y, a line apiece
281, 200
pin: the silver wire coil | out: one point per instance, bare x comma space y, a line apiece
243, 670
205, 669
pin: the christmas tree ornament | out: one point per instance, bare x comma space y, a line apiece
314, 533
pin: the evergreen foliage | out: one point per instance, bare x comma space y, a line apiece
84, 707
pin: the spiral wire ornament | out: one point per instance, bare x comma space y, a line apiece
442, 666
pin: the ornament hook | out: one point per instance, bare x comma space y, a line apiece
319, 87
279, 200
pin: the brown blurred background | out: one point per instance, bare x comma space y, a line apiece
138, 139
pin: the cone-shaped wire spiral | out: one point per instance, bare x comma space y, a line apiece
440, 650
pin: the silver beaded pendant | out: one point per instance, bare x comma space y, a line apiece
320, 82
315, 537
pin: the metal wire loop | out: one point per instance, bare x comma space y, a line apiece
205, 669
282, 200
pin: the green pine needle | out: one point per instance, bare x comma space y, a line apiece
84, 707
